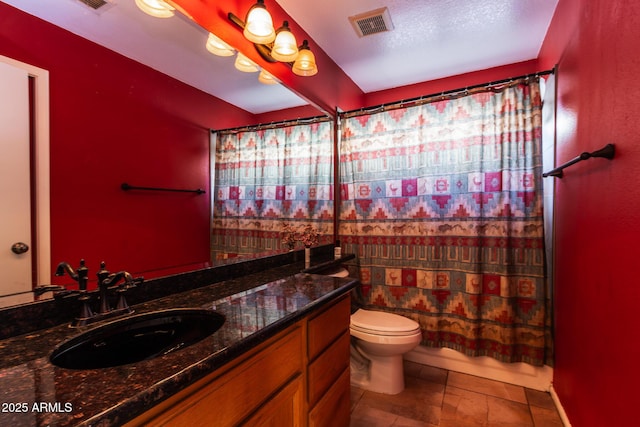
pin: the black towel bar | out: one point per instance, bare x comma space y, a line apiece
606, 152
127, 187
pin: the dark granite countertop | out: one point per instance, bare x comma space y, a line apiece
34, 392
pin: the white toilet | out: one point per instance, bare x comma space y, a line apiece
378, 342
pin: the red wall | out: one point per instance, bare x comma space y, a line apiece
597, 218
460, 81
114, 120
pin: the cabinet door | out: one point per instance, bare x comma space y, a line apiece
334, 409
284, 409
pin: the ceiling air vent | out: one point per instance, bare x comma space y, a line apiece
373, 22
94, 4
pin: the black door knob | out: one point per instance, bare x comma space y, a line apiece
19, 248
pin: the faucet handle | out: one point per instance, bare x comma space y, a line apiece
83, 273
102, 274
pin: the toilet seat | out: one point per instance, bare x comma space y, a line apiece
381, 323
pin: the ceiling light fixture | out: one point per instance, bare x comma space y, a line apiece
267, 78
218, 47
259, 25
245, 65
285, 47
156, 8
281, 46
305, 64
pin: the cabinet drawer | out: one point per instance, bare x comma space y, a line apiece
326, 369
325, 327
334, 409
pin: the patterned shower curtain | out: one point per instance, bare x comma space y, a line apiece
442, 203
266, 178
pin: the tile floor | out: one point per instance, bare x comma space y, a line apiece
437, 397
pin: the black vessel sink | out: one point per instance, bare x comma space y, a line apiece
137, 338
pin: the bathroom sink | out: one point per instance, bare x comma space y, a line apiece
137, 338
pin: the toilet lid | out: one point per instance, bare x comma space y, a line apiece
382, 322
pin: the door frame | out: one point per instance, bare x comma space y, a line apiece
42, 168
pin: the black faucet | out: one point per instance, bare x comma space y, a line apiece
80, 275
107, 281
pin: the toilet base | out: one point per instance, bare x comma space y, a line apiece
384, 374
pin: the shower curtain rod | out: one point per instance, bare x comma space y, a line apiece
274, 125
449, 94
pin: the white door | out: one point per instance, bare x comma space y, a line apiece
15, 187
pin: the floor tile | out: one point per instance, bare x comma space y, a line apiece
369, 416
504, 412
487, 386
435, 397
540, 399
356, 395
546, 417
421, 400
464, 407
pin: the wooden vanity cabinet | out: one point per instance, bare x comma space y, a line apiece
328, 347
299, 377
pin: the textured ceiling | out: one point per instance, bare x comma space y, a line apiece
431, 39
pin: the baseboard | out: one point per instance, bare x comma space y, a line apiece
522, 374
561, 412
